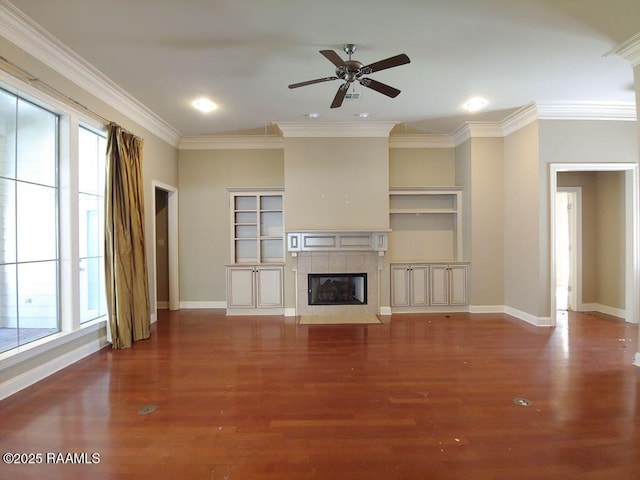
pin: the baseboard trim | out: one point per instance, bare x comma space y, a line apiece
527, 317
198, 305
289, 312
385, 311
607, 310
431, 309
255, 311
487, 309
42, 371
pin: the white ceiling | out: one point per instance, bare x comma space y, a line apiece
242, 54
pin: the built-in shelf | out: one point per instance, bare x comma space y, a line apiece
426, 223
419, 211
257, 226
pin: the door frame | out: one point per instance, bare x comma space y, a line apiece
575, 233
174, 272
632, 222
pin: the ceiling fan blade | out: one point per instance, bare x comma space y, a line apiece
379, 87
333, 57
384, 64
340, 94
311, 82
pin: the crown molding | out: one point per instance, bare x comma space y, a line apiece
232, 142
470, 130
629, 50
485, 129
20, 30
460, 135
620, 111
347, 129
249, 142
510, 124
421, 141
519, 119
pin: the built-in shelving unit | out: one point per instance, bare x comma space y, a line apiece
257, 225
255, 275
428, 272
426, 223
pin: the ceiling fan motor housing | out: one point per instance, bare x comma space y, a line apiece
350, 71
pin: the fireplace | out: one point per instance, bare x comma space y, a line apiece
351, 258
337, 288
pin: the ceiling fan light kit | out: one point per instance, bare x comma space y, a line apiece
351, 71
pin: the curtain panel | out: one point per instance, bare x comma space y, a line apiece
125, 254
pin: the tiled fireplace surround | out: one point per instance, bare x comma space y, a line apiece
352, 253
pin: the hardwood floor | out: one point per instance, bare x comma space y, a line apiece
419, 397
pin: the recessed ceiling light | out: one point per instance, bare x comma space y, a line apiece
204, 105
363, 115
474, 104
313, 115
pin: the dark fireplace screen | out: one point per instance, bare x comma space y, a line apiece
337, 288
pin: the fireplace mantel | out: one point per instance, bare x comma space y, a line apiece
338, 241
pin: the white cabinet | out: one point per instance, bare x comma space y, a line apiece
409, 285
254, 287
448, 284
257, 226
428, 286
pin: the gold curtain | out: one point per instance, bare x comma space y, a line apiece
125, 256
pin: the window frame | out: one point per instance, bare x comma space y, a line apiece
70, 120
101, 195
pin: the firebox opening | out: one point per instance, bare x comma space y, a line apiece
337, 288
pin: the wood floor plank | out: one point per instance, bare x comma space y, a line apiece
420, 396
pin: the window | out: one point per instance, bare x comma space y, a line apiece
91, 168
51, 219
29, 254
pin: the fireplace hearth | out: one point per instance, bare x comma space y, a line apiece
337, 288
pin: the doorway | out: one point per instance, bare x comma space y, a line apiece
631, 248
162, 252
165, 248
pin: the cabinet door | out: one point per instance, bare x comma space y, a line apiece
400, 286
439, 284
458, 285
419, 285
269, 287
240, 287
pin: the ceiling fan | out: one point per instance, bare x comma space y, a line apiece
352, 70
